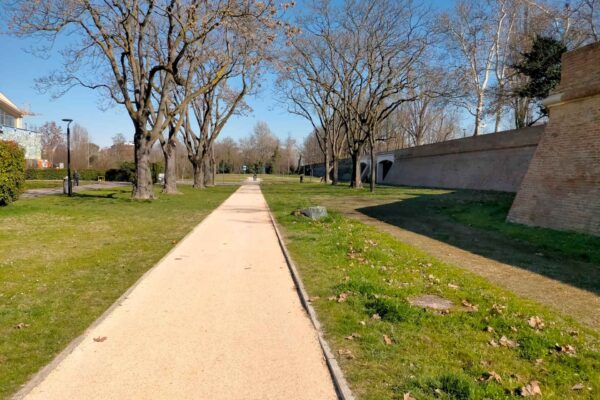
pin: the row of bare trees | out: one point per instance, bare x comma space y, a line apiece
376, 75
178, 67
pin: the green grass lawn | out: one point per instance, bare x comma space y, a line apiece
483, 348
41, 184
64, 261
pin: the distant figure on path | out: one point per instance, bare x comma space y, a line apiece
76, 178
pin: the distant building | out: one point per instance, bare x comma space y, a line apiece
12, 128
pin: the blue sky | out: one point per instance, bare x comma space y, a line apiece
19, 69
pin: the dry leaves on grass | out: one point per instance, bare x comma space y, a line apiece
470, 306
100, 339
376, 317
531, 389
387, 340
346, 353
506, 342
498, 309
453, 286
536, 322
408, 396
21, 325
491, 376
340, 298
353, 336
567, 349
489, 329
578, 386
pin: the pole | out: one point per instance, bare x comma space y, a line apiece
70, 184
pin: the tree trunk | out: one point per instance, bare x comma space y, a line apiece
326, 177
335, 177
142, 187
373, 169
170, 184
356, 181
478, 115
198, 175
208, 172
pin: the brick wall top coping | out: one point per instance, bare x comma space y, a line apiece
516, 138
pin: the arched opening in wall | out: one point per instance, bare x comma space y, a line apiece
383, 168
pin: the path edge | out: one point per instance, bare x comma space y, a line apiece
342, 388
41, 374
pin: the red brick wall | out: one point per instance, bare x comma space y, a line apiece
561, 188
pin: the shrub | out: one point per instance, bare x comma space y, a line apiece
156, 168
12, 171
125, 173
59, 174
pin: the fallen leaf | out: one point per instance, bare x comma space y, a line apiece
493, 343
352, 336
363, 323
514, 329
470, 306
313, 299
376, 317
21, 325
331, 298
539, 361
567, 349
387, 340
491, 376
408, 396
342, 297
453, 286
506, 342
498, 308
536, 322
100, 339
578, 386
531, 389
489, 329
346, 353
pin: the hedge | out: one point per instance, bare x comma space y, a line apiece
59, 174
12, 171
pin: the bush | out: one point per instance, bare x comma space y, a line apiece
125, 173
12, 171
156, 168
59, 174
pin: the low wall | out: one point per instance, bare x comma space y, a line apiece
495, 161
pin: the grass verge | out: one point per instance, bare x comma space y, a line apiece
64, 261
484, 347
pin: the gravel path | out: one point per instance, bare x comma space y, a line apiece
217, 318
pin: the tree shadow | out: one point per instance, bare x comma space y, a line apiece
475, 222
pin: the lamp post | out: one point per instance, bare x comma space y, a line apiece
69, 183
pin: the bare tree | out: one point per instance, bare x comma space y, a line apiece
364, 53
119, 42
52, 141
474, 35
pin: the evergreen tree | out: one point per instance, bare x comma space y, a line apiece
542, 65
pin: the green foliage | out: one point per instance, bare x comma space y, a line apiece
59, 174
542, 65
156, 168
125, 173
12, 171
